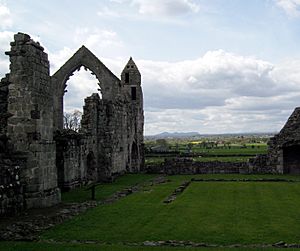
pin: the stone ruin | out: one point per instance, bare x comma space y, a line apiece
38, 158
284, 148
283, 156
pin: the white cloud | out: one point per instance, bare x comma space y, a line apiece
208, 80
291, 7
162, 9
166, 7
107, 12
97, 38
5, 17
58, 59
219, 92
5, 38
104, 43
117, 1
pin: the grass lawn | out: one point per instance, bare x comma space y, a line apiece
33, 246
209, 212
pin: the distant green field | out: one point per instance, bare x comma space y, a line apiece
159, 160
154, 160
207, 212
230, 153
234, 150
222, 159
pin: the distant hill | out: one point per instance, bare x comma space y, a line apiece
165, 135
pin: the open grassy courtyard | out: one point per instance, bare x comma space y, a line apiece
208, 212
211, 212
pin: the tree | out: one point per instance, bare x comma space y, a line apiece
72, 121
177, 147
162, 142
189, 147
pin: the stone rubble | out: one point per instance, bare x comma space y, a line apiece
177, 192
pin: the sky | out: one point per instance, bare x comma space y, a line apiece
209, 66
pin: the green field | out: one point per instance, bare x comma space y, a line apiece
233, 150
236, 151
221, 213
248, 149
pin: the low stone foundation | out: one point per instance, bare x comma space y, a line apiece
259, 164
188, 166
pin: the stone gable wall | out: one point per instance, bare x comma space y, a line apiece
288, 136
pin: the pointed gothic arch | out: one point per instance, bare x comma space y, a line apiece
108, 82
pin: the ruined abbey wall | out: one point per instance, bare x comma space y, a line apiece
109, 143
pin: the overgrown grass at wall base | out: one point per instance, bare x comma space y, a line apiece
103, 191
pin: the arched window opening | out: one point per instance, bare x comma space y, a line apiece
81, 84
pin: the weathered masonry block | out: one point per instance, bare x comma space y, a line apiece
109, 143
